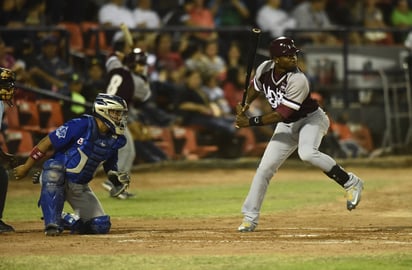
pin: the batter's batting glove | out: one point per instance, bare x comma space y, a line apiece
120, 182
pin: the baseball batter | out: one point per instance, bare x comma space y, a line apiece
126, 78
301, 124
79, 147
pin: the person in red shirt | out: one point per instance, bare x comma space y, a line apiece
200, 16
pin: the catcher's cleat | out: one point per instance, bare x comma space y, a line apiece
246, 226
354, 188
52, 230
4, 228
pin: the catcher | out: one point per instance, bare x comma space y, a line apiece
79, 146
7, 82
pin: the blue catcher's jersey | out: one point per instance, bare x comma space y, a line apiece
82, 148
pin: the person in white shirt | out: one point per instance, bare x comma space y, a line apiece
271, 18
114, 13
145, 16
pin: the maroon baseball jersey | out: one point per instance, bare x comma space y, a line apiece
120, 83
124, 83
288, 95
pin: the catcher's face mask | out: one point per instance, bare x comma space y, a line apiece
7, 85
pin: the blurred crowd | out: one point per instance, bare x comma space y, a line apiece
210, 63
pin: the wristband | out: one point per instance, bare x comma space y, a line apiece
36, 154
255, 121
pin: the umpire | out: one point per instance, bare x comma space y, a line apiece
7, 85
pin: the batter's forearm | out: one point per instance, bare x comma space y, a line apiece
266, 119
252, 94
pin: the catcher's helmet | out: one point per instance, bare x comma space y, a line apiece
112, 110
282, 46
7, 85
136, 56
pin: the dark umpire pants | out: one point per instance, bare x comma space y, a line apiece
4, 183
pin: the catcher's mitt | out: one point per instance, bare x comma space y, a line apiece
120, 182
8, 160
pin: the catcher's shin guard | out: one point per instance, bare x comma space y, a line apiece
71, 222
52, 192
97, 225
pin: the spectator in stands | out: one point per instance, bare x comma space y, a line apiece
401, 17
230, 13
271, 18
145, 16
202, 17
168, 58
12, 13
195, 108
95, 80
36, 13
50, 70
25, 59
146, 149
345, 12
233, 86
114, 13
74, 110
177, 16
194, 57
330, 142
234, 57
312, 15
350, 144
7, 59
216, 95
373, 18
214, 61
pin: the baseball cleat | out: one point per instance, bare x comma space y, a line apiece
4, 228
246, 226
354, 188
52, 230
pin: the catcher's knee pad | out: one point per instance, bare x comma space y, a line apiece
97, 225
52, 191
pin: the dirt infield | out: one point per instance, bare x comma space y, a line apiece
381, 224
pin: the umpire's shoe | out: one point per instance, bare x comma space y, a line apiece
354, 188
4, 228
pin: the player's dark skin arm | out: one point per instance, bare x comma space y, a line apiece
243, 121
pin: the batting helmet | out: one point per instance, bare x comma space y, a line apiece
136, 56
112, 110
282, 46
7, 84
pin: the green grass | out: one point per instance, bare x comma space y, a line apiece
119, 262
201, 202
223, 200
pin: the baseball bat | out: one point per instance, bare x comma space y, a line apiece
127, 35
255, 35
